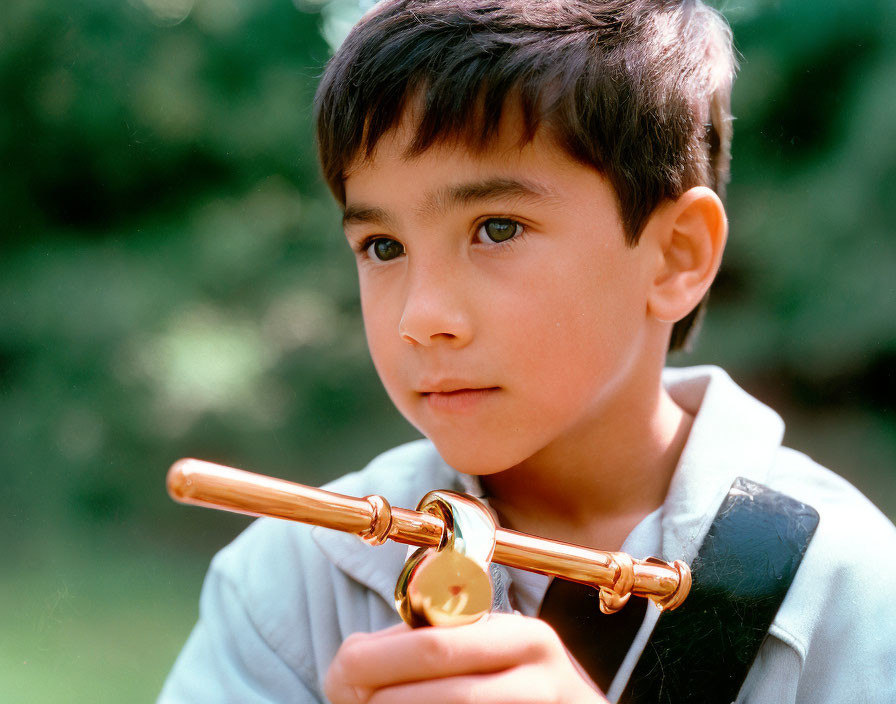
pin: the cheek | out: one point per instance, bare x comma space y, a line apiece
575, 330
381, 331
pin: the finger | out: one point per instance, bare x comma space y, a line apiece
339, 690
482, 689
391, 630
384, 659
523, 685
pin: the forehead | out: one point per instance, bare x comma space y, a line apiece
461, 168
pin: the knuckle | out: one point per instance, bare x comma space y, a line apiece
354, 639
433, 649
542, 641
350, 653
338, 690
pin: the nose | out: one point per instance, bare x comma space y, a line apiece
436, 308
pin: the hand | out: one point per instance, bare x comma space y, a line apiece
503, 659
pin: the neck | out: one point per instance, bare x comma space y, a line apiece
597, 484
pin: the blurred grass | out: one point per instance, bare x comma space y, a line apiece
90, 625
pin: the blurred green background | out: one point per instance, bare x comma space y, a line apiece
173, 282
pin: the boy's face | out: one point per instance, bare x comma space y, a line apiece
504, 312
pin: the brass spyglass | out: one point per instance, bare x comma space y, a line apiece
616, 574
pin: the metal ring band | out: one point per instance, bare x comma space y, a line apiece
381, 523
611, 600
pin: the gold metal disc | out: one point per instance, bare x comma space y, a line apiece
445, 589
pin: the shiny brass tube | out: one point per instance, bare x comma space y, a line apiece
617, 575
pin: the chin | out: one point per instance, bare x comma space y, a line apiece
478, 462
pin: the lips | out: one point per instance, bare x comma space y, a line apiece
448, 385
452, 397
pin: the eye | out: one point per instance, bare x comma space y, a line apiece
498, 230
384, 249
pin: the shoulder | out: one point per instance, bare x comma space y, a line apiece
847, 518
839, 615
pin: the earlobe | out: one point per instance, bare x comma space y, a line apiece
690, 234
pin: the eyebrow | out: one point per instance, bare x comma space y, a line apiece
488, 189
454, 196
361, 214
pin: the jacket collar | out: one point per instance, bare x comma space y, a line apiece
733, 435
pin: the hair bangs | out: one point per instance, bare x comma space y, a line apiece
453, 91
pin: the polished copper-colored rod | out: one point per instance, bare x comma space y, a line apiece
200, 483
659, 581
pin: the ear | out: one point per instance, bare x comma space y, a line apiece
689, 234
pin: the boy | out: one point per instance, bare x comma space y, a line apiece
532, 189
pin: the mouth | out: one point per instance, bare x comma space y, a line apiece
457, 398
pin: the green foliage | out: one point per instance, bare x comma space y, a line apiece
174, 280
807, 284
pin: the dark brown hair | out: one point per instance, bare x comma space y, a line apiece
639, 89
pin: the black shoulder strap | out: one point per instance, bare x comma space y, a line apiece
701, 652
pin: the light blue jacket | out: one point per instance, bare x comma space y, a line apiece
278, 601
